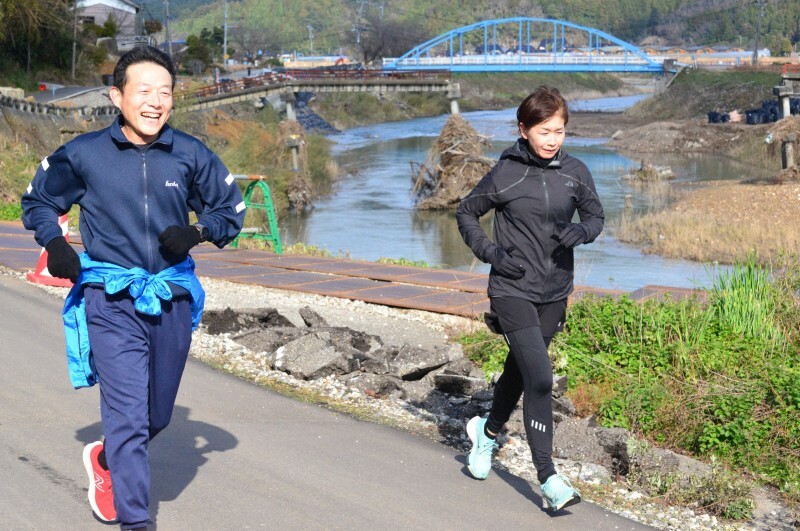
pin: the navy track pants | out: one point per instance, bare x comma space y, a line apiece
140, 361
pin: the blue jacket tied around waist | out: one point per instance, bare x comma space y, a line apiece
147, 291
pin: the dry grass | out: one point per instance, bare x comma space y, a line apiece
17, 166
587, 397
722, 223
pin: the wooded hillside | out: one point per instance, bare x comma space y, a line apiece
339, 23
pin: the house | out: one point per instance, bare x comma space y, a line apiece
123, 12
491, 49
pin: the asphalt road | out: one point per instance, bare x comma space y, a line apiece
62, 93
236, 456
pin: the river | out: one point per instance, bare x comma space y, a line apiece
370, 213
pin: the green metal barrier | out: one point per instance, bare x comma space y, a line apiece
267, 206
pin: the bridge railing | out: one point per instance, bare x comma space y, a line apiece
305, 74
542, 59
234, 86
363, 74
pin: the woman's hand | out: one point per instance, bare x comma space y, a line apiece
505, 263
571, 234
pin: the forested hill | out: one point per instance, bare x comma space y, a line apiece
337, 23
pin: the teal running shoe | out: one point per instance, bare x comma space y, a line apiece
479, 460
558, 493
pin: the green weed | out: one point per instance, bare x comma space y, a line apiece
715, 379
402, 262
10, 211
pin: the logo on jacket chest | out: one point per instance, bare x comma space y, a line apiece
171, 184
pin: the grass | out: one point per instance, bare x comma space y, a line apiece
698, 236
402, 262
502, 90
696, 92
18, 165
254, 144
719, 380
479, 92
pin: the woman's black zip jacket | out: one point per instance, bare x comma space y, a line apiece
531, 198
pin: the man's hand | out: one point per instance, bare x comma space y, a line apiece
177, 241
62, 260
505, 263
571, 234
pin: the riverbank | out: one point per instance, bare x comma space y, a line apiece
487, 91
714, 222
721, 222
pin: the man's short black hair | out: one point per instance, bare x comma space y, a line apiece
142, 54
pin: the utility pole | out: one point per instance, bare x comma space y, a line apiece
761, 4
358, 27
166, 23
225, 36
74, 36
310, 39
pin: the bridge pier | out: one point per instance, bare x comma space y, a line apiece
454, 94
289, 99
293, 143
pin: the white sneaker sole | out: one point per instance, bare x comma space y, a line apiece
87, 463
570, 502
472, 433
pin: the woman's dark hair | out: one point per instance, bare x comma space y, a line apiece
541, 105
142, 54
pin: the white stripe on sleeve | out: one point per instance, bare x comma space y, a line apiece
229, 179
45, 164
241, 206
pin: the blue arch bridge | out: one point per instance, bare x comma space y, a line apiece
524, 44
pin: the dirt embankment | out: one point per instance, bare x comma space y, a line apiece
739, 141
723, 221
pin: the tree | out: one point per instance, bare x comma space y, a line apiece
389, 38
152, 26
25, 22
213, 39
108, 29
197, 50
780, 46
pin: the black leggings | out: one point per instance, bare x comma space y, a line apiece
528, 370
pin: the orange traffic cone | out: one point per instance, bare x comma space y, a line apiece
42, 275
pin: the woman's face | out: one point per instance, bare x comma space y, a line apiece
545, 138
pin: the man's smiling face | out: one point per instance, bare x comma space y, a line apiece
145, 101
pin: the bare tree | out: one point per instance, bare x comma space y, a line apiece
389, 38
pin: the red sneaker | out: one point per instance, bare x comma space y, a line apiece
101, 497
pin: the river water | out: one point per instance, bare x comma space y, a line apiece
370, 213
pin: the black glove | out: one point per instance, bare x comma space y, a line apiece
571, 234
62, 260
505, 263
176, 241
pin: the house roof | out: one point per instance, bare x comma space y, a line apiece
126, 5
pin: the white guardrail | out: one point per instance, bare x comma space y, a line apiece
543, 59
